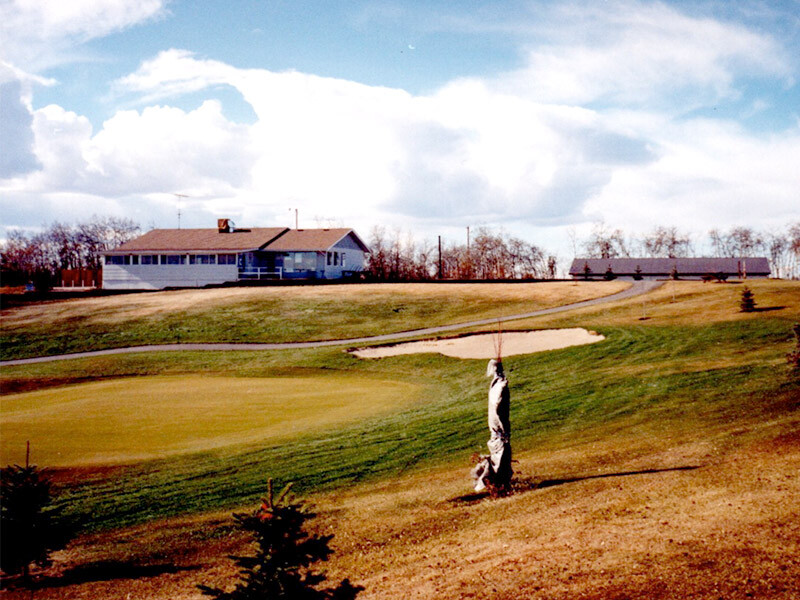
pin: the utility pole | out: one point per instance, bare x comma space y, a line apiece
440, 257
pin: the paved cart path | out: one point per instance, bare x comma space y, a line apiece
638, 288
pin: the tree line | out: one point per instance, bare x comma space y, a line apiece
397, 256
40, 257
781, 247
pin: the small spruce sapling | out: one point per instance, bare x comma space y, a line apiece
31, 526
747, 303
609, 274
637, 273
284, 553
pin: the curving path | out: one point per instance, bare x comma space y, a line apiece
638, 288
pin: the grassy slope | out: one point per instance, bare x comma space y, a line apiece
271, 314
682, 375
123, 421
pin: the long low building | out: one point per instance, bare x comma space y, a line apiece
661, 268
167, 258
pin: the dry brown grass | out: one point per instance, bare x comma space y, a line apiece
688, 303
133, 306
614, 515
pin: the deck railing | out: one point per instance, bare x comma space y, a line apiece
260, 273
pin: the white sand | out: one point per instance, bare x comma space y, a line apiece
483, 345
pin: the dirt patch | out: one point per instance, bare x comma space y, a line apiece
485, 345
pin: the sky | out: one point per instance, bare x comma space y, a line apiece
537, 118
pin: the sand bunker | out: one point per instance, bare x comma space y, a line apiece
483, 345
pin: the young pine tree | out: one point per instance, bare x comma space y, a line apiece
284, 553
31, 528
747, 303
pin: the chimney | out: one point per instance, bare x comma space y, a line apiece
224, 225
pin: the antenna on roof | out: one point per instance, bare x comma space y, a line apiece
179, 196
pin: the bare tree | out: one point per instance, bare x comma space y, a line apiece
667, 242
738, 242
41, 256
377, 264
793, 239
604, 243
777, 245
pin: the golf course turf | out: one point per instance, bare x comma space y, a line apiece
646, 422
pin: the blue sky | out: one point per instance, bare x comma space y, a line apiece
541, 118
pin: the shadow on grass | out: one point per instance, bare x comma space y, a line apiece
108, 570
767, 308
526, 484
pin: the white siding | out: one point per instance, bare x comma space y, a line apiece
355, 258
157, 277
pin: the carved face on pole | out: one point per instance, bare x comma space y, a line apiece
494, 368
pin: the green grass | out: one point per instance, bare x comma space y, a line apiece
268, 314
120, 421
663, 380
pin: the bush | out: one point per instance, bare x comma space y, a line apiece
32, 528
747, 303
281, 566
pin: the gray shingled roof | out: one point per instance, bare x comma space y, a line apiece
758, 265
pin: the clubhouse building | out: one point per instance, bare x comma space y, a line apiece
172, 258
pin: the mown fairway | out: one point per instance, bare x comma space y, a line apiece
122, 421
270, 314
661, 462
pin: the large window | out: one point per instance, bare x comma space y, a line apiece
202, 259
149, 259
173, 259
115, 260
226, 259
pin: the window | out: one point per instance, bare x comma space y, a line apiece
150, 259
343, 260
330, 258
226, 259
135, 259
173, 259
202, 259
115, 260
335, 259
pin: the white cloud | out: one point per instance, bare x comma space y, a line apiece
582, 133
630, 53
37, 33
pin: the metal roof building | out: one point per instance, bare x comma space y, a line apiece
660, 268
